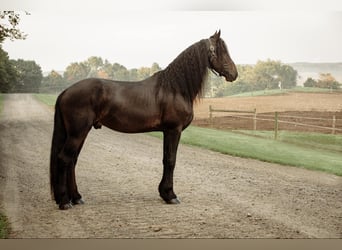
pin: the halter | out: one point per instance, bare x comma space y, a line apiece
212, 54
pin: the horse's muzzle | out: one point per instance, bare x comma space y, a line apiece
230, 72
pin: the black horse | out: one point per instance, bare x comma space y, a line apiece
162, 102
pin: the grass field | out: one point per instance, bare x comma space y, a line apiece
48, 99
318, 157
308, 150
310, 140
4, 227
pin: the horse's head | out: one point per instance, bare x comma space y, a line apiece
219, 58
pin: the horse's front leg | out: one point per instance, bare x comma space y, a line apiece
171, 140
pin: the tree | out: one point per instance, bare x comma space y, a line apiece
310, 82
8, 29
133, 75
246, 81
29, 76
120, 72
102, 74
76, 72
8, 26
8, 75
143, 73
94, 64
287, 76
269, 73
155, 68
326, 80
53, 82
107, 70
215, 86
264, 75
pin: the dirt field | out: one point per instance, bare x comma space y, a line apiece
118, 175
287, 102
288, 121
297, 105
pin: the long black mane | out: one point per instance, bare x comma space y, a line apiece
187, 73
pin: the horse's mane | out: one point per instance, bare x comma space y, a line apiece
187, 73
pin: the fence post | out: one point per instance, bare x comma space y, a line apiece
333, 124
255, 120
211, 115
276, 125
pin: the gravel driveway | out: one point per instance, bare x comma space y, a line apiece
118, 175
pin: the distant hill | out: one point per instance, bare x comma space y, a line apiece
313, 70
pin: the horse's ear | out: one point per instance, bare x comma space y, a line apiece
216, 36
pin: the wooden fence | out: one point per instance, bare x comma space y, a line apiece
253, 112
275, 119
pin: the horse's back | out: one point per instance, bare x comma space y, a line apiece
82, 88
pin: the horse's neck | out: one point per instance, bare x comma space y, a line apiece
187, 73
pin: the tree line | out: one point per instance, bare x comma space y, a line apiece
326, 80
19, 76
94, 67
16, 75
269, 74
264, 75
26, 76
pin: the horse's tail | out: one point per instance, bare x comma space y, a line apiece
58, 140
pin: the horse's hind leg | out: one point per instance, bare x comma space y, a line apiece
67, 160
76, 197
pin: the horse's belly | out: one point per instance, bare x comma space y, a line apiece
132, 124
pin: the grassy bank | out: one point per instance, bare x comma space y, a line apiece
4, 227
268, 150
48, 99
309, 140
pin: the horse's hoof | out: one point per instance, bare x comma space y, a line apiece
65, 206
78, 202
173, 201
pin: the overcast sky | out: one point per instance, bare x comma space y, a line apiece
139, 33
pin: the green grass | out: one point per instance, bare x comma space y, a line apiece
4, 227
314, 90
48, 99
310, 140
264, 149
261, 93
